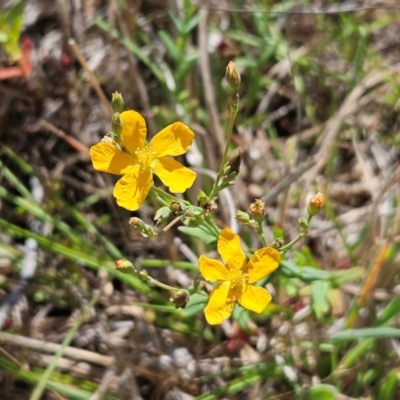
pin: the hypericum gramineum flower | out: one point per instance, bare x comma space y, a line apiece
236, 277
139, 160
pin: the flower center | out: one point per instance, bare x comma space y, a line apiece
145, 156
240, 279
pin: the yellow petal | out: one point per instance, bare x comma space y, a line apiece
220, 305
213, 270
253, 298
230, 250
262, 263
106, 157
173, 174
134, 130
132, 189
173, 140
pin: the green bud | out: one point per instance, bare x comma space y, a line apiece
125, 266
242, 217
144, 276
303, 223
202, 199
116, 128
117, 102
140, 227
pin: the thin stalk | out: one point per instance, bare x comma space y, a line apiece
234, 109
261, 233
40, 387
161, 193
302, 233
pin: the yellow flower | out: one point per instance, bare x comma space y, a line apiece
236, 277
139, 160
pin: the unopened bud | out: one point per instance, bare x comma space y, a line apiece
116, 127
144, 276
202, 199
315, 204
139, 226
277, 243
125, 266
176, 207
117, 102
303, 223
257, 208
234, 164
242, 217
232, 76
180, 298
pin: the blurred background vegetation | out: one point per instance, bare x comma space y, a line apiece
319, 105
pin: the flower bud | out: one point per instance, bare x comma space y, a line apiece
117, 102
125, 266
234, 164
180, 298
140, 227
242, 217
303, 223
116, 129
277, 243
176, 207
232, 76
202, 199
257, 208
144, 276
315, 204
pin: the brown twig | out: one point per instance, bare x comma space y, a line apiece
92, 78
209, 94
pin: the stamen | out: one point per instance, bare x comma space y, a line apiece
145, 156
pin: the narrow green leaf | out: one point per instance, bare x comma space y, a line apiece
199, 233
389, 386
340, 277
381, 332
170, 44
186, 65
192, 23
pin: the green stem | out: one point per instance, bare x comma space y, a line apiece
300, 236
261, 233
161, 193
234, 110
161, 285
209, 222
172, 223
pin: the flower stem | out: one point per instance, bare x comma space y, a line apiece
302, 233
172, 223
234, 109
161, 193
161, 285
261, 233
